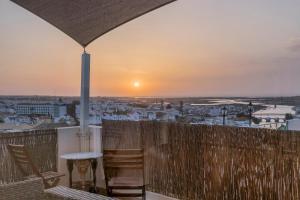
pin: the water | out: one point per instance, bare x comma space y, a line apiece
218, 102
270, 112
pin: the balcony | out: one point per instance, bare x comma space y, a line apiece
182, 161
46, 147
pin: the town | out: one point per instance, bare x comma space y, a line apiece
36, 112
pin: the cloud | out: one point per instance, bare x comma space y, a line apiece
294, 45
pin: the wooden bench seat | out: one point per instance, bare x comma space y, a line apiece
68, 193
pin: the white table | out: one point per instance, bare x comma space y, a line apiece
82, 160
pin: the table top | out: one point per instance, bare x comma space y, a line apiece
81, 156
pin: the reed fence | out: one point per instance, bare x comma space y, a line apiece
42, 146
194, 162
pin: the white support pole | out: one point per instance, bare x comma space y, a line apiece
84, 102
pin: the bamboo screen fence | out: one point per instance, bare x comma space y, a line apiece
212, 162
42, 146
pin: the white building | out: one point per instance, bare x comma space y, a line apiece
55, 110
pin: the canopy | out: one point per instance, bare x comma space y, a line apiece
86, 20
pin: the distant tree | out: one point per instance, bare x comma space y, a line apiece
288, 116
242, 116
1, 120
181, 107
120, 112
139, 105
162, 105
71, 110
256, 120
160, 114
169, 106
62, 120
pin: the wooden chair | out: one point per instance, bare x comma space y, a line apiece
131, 160
23, 161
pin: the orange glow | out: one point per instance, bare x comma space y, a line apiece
159, 54
136, 84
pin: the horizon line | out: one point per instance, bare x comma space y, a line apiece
140, 97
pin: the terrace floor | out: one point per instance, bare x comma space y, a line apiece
149, 196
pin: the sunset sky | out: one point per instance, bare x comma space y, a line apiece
188, 48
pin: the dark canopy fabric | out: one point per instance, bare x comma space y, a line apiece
86, 20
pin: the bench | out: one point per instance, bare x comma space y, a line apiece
61, 192
33, 189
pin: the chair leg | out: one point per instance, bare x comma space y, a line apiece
144, 193
109, 191
51, 183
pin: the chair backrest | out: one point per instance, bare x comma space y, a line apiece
22, 159
31, 189
123, 158
115, 160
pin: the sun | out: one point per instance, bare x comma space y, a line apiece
136, 84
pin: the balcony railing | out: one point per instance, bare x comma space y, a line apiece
42, 145
213, 162
182, 161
